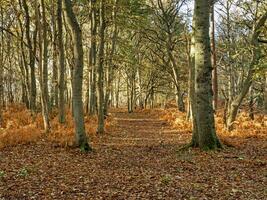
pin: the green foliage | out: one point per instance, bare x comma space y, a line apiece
2, 174
166, 179
23, 172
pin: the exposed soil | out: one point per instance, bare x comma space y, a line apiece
138, 159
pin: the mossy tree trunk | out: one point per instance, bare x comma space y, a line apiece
204, 134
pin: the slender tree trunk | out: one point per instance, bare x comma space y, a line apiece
117, 93
81, 138
100, 69
174, 67
110, 63
31, 57
24, 65
251, 103
132, 94
61, 58
189, 116
128, 97
1, 68
180, 99
139, 87
43, 58
214, 61
205, 122
192, 98
93, 97
54, 88
88, 82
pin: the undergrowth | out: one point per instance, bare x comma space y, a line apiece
20, 126
244, 127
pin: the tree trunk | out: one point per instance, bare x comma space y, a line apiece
100, 69
81, 138
43, 44
174, 67
189, 48
31, 57
24, 66
1, 69
54, 88
180, 99
251, 104
117, 92
139, 88
205, 122
110, 63
93, 97
88, 82
192, 98
214, 61
61, 58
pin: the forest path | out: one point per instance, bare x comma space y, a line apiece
142, 129
136, 159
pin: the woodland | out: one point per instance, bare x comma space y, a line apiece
133, 99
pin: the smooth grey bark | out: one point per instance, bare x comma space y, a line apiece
129, 98
31, 57
192, 100
24, 65
100, 69
139, 88
93, 52
111, 63
189, 49
45, 68
43, 59
205, 123
214, 60
81, 138
88, 83
54, 88
61, 58
117, 91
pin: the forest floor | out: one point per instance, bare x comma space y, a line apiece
136, 159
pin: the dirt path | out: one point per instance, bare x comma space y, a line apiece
136, 160
142, 130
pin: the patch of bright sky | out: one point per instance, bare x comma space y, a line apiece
188, 9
